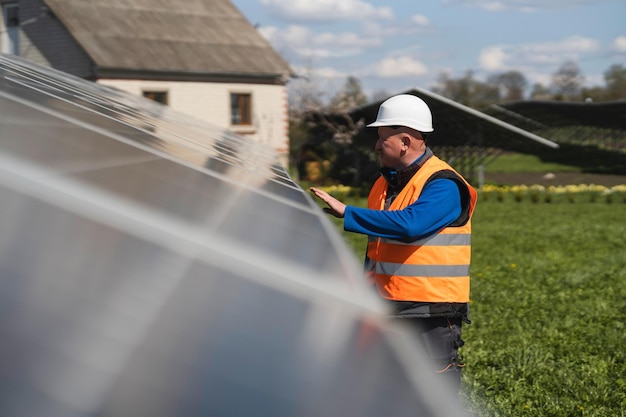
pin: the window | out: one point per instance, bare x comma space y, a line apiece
240, 109
158, 96
10, 34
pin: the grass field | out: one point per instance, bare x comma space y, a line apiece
516, 162
548, 308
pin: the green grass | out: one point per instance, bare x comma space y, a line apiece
517, 162
548, 307
548, 304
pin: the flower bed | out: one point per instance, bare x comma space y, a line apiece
589, 193
582, 193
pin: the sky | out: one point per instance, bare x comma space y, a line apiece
391, 46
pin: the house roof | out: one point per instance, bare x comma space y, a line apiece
201, 37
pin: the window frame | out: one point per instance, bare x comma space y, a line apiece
241, 108
153, 94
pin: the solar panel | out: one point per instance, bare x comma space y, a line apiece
155, 265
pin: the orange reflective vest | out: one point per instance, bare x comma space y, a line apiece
433, 269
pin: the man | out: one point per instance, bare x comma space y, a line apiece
418, 223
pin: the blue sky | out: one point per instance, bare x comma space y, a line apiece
394, 45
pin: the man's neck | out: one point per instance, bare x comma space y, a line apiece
397, 178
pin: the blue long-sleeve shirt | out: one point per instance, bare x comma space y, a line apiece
438, 205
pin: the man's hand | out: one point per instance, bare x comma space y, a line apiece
335, 207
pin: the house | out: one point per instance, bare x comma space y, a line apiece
200, 57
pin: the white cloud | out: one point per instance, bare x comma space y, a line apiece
268, 32
619, 44
301, 41
491, 6
293, 34
505, 57
520, 5
492, 58
326, 10
328, 72
346, 40
538, 61
556, 52
395, 67
321, 72
381, 29
420, 20
578, 44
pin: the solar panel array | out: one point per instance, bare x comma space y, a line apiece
155, 265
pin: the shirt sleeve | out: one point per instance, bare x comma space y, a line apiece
438, 205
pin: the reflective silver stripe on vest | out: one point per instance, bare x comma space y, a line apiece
403, 270
434, 240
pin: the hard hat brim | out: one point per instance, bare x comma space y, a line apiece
420, 128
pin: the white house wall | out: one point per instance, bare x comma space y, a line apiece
210, 102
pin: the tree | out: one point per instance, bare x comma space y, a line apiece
336, 116
511, 85
330, 131
349, 97
304, 96
455, 89
467, 90
594, 94
567, 81
337, 119
540, 92
380, 95
615, 78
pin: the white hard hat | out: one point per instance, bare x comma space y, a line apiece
404, 110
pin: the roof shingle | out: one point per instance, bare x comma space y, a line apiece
195, 36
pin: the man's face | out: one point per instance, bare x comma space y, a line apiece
390, 147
